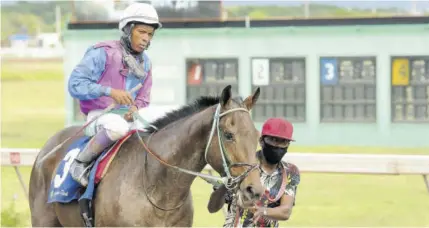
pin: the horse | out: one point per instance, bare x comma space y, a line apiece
148, 182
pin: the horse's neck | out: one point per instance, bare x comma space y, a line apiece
181, 144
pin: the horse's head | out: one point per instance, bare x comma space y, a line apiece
231, 150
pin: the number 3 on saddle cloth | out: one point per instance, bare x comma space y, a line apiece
64, 188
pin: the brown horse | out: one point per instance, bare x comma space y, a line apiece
139, 190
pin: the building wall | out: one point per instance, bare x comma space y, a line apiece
171, 47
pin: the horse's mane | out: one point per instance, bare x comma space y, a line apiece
198, 105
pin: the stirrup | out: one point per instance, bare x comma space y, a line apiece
87, 220
86, 212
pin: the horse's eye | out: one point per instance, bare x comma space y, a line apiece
229, 136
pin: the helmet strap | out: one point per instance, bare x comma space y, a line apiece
129, 55
126, 39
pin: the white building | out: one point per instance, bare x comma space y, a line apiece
49, 40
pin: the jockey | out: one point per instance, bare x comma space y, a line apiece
107, 71
280, 179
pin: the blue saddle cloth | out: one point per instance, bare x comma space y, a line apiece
64, 188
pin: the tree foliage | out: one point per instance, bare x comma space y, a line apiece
315, 10
32, 17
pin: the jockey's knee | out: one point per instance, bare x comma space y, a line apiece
116, 126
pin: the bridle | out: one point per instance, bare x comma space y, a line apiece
230, 182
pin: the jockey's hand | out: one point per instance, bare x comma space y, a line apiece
121, 97
129, 115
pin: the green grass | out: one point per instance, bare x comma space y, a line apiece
15, 70
11, 191
322, 200
33, 110
32, 102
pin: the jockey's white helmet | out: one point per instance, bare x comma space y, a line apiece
140, 12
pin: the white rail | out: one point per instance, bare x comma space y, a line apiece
386, 164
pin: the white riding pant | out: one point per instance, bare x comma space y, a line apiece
116, 126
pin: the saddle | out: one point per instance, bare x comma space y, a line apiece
64, 189
85, 204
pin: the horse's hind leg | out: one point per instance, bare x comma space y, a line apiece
43, 214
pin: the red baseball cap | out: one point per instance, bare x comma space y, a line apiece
278, 127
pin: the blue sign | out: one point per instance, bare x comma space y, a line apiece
328, 71
22, 37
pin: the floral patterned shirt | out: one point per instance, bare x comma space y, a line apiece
284, 180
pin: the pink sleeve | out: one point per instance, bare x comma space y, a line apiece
143, 95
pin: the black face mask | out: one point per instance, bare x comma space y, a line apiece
273, 154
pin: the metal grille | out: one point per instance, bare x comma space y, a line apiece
283, 91
410, 89
207, 77
348, 89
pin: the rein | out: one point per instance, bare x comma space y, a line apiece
230, 182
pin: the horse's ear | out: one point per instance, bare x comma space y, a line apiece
217, 199
225, 96
251, 100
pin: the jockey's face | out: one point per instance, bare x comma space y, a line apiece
141, 36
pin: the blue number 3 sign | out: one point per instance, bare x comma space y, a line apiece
328, 71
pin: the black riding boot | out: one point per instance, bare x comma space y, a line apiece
80, 167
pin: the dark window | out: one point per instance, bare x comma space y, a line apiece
348, 89
282, 83
410, 89
210, 76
